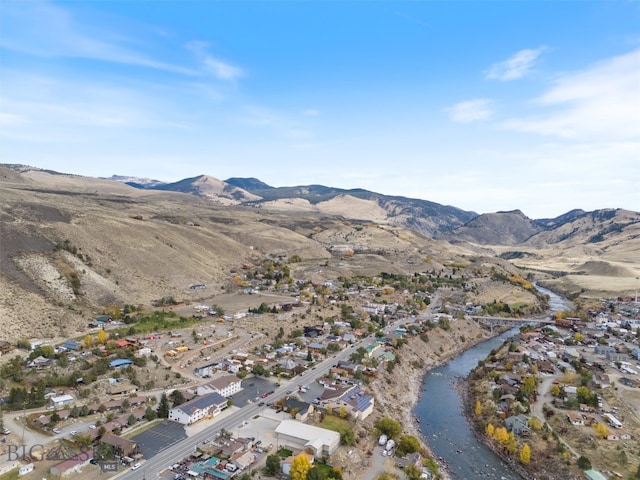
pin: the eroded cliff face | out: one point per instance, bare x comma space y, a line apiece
397, 392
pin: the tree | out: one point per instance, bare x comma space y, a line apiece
584, 463
300, 467
102, 337
163, 407
490, 429
601, 430
149, 414
528, 385
315, 474
273, 464
512, 443
388, 427
501, 435
525, 454
478, 409
408, 444
131, 420
177, 398
412, 472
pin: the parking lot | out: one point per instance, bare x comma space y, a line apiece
253, 388
159, 437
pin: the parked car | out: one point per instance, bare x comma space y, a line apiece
73, 432
56, 430
92, 427
135, 466
6, 431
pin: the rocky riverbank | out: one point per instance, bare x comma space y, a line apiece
398, 392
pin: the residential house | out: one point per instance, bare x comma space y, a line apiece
120, 362
198, 408
299, 410
70, 465
72, 345
61, 400
359, 403
121, 446
242, 460
518, 424
232, 447
575, 419
414, 459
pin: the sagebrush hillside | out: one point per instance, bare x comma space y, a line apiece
71, 245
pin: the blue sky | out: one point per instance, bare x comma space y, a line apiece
486, 106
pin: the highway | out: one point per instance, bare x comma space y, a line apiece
151, 468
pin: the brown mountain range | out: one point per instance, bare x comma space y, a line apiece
70, 245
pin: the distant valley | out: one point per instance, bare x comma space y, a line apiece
72, 244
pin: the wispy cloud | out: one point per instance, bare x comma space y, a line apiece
212, 65
310, 112
598, 103
470, 110
43, 29
518, 66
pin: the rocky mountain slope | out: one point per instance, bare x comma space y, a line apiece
70, 244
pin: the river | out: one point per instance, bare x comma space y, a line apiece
442, 422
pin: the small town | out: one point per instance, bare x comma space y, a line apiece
245, 396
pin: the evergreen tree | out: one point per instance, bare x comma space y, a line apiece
163, 407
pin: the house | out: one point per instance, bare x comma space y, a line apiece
225, 385
120, 446
232, 447
72, 345
414, 459
122, 388
575, 419
635, 353
198, 408
61, 401
359, 403
242, 460
518, 424
300, 436
70, 465
120, 362
594, 475
40, 362
299, 410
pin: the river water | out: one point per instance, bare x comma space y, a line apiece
440, 412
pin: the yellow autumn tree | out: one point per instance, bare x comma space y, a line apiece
525, 454
300, 467
478, 410
102, 336
512, 443
601, 430
490, 429
88, 341
501, 435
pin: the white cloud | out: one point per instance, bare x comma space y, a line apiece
518, 66
311, 112
599, 103
470, 110
214, 66
43, 29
